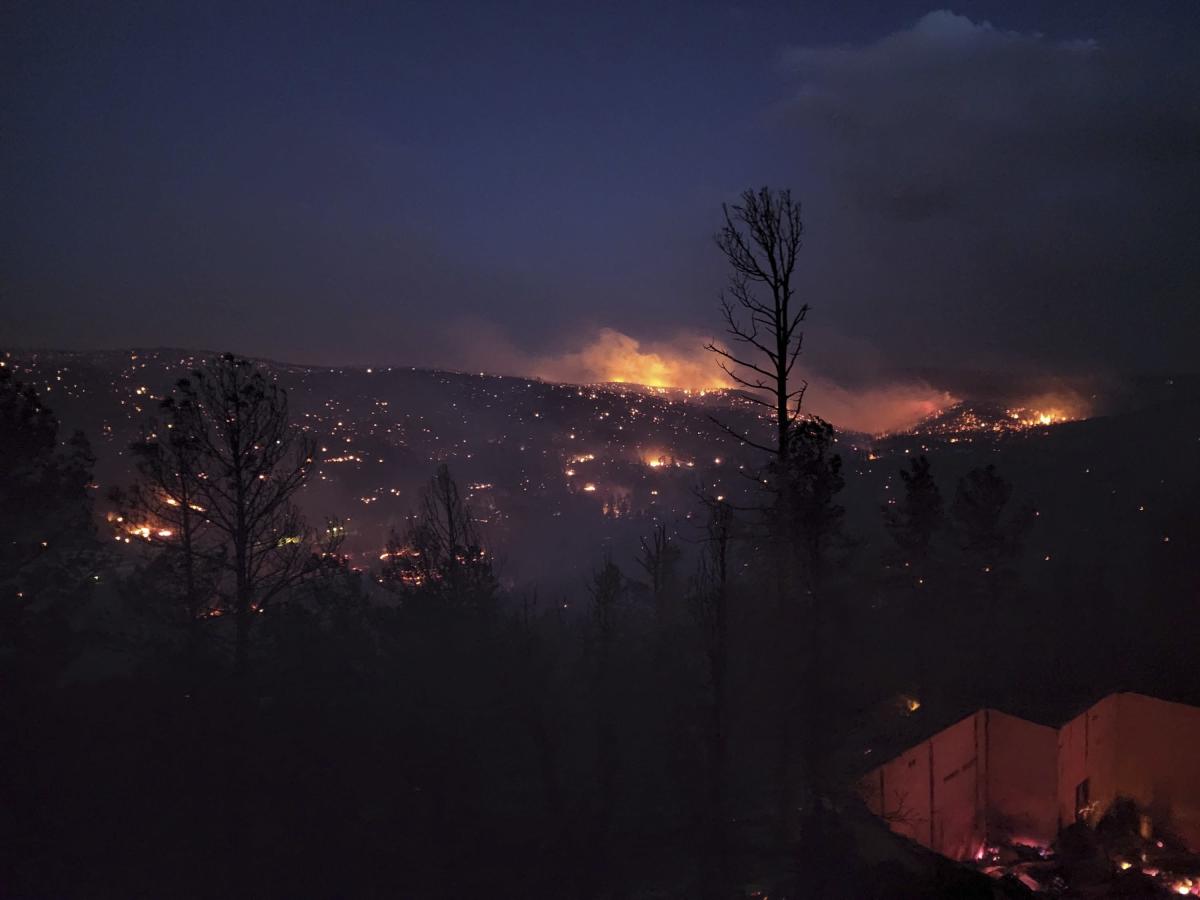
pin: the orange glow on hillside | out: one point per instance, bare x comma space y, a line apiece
657, 459
664, 459
1041, 411
615, 357
879, 406
1050, 409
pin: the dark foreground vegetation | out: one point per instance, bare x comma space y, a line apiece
236, 713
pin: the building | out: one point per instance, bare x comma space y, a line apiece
1131, 745
989, 778
993, 779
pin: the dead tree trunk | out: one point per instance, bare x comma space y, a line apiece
761, 241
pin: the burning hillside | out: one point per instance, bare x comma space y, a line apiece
681, 365
969, 419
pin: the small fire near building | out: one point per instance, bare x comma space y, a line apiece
994, 780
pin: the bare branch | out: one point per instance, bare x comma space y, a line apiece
741, 437
761, 241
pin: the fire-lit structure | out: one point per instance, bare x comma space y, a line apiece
994, 784
987, 779
1134, 746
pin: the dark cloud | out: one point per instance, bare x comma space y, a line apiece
987, 194
338, 187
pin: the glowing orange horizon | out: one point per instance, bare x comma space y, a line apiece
617, 358
682, 363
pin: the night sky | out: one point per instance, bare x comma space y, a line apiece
482, 185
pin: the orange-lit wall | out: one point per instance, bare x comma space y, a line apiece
898, 791
1139, 747
987, 778
958, 758
1022, 780
1087, 748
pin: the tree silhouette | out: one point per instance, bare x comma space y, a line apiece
659, 559
915, 524
441, 556
164, 509
48, 550
989, 533
49, 563
761, 240
238, 456
807, 509
919, 517
709, 602
607, 592
990, 537
811, 481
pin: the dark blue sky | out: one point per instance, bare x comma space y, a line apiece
469, 184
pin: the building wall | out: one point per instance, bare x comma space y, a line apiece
1087, 751
1022, 780
898, 792
993, 778
987, 778
959, 759
1158, 761
1131, 745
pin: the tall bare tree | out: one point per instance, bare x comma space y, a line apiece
761, 241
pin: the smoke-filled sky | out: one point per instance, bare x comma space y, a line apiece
534, 185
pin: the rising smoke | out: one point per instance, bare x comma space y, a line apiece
682, 362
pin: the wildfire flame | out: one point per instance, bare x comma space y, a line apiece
615, 357
681, 362
662, 459
1033, 418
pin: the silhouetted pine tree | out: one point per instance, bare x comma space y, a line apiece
50, 562
990, 536
659, 559
917, 520
709, 602
808, 510
49, 555
607, 590
916, 524
441, 557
